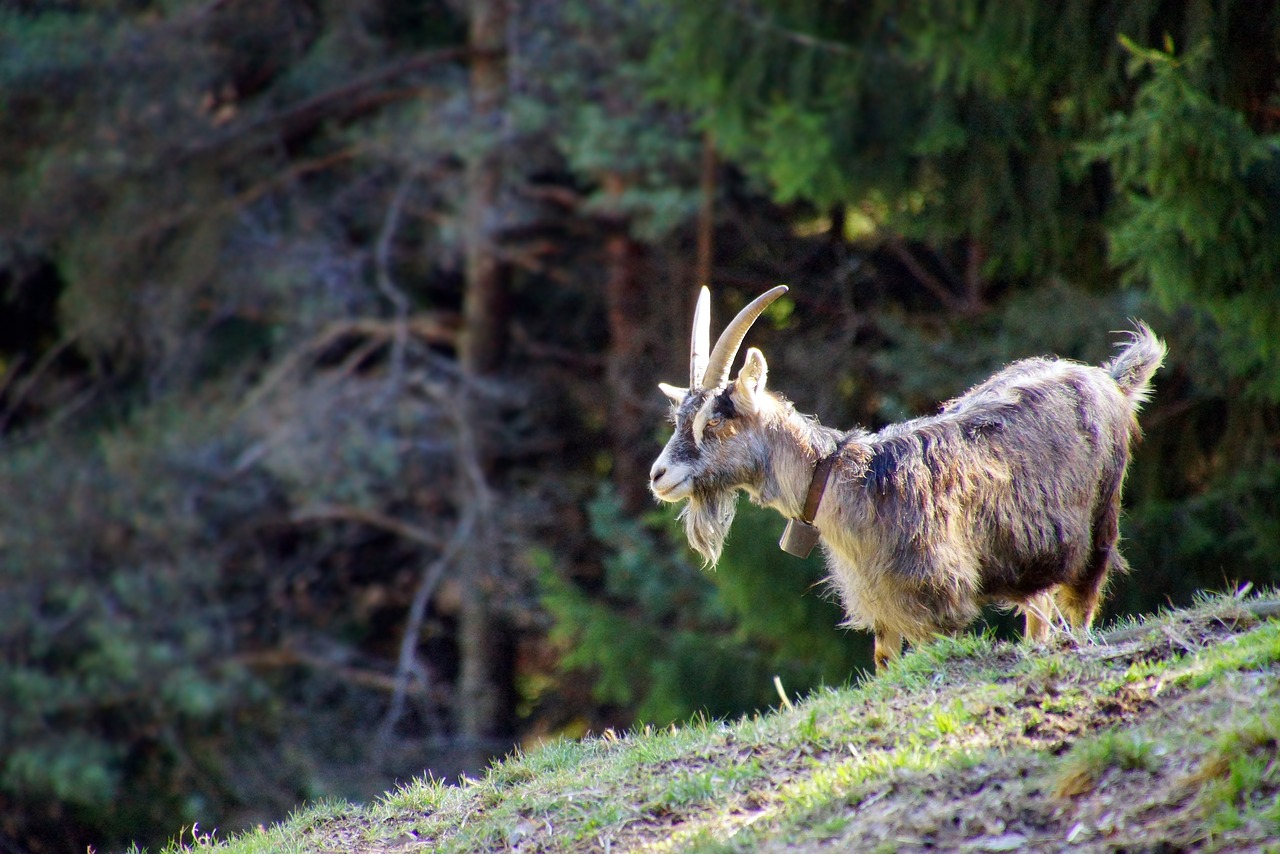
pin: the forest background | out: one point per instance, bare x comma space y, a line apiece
329, 336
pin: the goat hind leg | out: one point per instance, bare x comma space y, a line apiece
1079, 601
1079, 598
1039, 611
888, 647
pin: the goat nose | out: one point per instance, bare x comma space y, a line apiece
656, 473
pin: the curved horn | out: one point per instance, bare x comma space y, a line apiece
726, 349
701, 339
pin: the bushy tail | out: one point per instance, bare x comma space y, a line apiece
1137, 363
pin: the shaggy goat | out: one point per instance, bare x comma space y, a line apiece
1009, 495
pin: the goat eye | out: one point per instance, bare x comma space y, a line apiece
714, 422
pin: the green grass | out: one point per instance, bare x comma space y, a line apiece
1090, 761
1240, 775
1168, 735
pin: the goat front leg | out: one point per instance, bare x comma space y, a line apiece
888, 647
1039, 611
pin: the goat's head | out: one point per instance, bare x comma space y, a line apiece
717, 446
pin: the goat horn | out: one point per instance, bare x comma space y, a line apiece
726, 350
701, 339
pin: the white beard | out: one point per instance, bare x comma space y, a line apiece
707, 521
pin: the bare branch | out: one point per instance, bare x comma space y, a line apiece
931, 283
764, 23
372, 518
434, 328
407, 663
1262, 610
289, 657
23, 387
348, 99
475, 503
388, 287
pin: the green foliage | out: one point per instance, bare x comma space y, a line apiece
946, 120
667, 639
1228, 530
1198, 194
918, 366
119, 693
40, 49
966, 121
637, 160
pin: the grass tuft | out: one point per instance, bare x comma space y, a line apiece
1089, 761
1240, 776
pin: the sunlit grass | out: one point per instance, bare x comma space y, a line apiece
1239, 778
808, 772
1253, 651
1090, 760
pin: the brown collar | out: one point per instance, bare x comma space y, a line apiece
818, 485
800, 535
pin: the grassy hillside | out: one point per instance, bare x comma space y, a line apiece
1161, 736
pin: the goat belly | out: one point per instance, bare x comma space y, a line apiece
1016, 582
878, 595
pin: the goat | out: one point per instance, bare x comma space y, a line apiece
1009, 495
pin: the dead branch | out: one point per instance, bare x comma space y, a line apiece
255, 191
593, 362
1262, 610
309, 112
11, 373
475, 502
435, 328
387, 285
281, 657
763, 22
370, 518
565, 197
23, 387
898, 247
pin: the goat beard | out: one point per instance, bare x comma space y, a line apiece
706, 522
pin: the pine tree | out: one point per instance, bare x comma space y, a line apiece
1008, 143
1197, 214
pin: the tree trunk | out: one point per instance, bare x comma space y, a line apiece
485, 302
625, 365
482, 638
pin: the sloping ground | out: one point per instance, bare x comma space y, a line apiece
1159, 737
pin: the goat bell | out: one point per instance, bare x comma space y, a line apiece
799, 538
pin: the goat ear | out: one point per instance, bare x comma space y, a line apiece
676, 395
749, 386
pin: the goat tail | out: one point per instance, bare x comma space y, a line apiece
1134, 366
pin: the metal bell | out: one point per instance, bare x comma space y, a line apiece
799, 538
